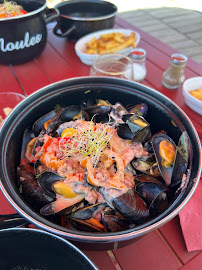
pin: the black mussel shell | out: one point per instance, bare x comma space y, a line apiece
140, 127
27, 137
147, 167
148, 178
154, 193
39, 124
136, 129
148, 146
103, 102
31, 191
46, 180
115, 223
99, 113
55, 122
139, 109
124, 132
70, 113
126, 117
87, 212
131, 206
181, 160
159, 204
148, 191
165, 172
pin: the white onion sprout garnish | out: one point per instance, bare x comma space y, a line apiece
90, 140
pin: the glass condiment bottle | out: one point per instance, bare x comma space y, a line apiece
173, 76
138, 56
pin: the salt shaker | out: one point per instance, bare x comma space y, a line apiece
138, 57
173, 76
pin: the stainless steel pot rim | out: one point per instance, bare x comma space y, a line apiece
108, 237
29, 14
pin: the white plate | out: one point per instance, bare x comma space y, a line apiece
80, 46
189, 85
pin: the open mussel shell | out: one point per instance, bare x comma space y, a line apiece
27, 137
46, 180
87, 212
173, 174
160, 203
30, 189
55, 122
154, 193
181, 160
165, 172
113, 221
124, 132
99, 113
136, 129
39, 124
139, 109
132, 207
70, 113
83, 218
147, 167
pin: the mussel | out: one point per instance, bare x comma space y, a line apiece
29, 187
139, 109
132, 207
136, 129
154, 193
173, 168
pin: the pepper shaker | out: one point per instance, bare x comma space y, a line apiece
173, 76
138, 57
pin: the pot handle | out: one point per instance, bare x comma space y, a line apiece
60, 34
12, 221
51, 14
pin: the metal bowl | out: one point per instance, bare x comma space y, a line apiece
162, 114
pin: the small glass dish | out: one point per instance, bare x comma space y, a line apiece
112, 65
8, 101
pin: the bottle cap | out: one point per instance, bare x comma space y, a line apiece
138, 53
178, 58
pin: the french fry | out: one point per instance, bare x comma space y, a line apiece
112, 42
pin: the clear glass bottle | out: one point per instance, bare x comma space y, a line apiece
173, 76
138, 57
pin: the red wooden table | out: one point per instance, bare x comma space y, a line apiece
163, 248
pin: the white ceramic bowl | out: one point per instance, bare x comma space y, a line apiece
189, 85
80, 46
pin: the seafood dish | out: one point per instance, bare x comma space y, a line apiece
97, 167
11, 9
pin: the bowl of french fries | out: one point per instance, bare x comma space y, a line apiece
121, 41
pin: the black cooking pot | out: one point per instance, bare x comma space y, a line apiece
35, 249
162, 114
24, 37
81, 17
